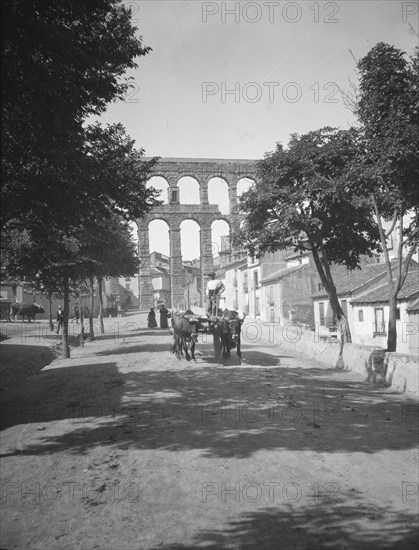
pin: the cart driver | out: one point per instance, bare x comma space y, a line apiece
214, 289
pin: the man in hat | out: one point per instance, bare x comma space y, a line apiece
214, 289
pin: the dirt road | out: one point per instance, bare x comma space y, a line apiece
124, 447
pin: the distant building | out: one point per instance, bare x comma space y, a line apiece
192, 284
276, 288
364, 295
160, 282
370, 314
349, 284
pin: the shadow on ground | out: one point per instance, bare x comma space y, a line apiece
341, 524
225, 411
18, 361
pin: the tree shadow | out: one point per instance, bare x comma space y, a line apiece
250, 358
223, 412
123, 350
338, 523
19, 361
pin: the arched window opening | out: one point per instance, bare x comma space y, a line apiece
218, 194
160, 184
243, 185
220, 239
188, 190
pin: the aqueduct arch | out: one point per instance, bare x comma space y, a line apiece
174, 213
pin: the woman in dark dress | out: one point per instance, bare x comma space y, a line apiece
163, 316
151, 319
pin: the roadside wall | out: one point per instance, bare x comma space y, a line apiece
397, 370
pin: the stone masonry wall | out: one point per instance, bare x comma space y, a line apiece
396, 370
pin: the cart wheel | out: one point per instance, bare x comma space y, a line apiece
217, 343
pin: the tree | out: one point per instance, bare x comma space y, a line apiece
62, 61
110, 185
112, 252
301, 202
385, 171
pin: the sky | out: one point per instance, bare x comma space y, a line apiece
231, 79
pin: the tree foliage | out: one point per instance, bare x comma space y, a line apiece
65, 184
385, 171
62, 61
300, 201
388, 109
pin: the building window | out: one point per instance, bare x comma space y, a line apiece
344, 306
257, 306
360, 315
245, 282
127, 279
272, 315
321, 313
128, 286
255, 279
174, 195
379, 320
398, 314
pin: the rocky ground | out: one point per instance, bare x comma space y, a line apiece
125, 447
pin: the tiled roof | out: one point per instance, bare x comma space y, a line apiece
355, 279
157, 271
381, 293
281, 273
238, 263
413, 305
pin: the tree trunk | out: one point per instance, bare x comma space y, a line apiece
323, 270
394, 282
92, 305
342, 323
101, 326
392, 323
64, 338
51, 324
81, 336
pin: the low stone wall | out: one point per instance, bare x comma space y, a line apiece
397, 370
365, 360
293, 337
402, 372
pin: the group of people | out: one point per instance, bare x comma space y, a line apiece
164, 316
76, 316
151, 318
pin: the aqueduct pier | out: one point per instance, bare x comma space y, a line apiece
204, 213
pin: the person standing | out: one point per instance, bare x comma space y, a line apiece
76, 313
163, 316
60, 319
151, 319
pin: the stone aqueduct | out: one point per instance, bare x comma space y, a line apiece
174, 213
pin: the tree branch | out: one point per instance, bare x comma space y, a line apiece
328, 179
383, 242
399, 256
406, 264
393, 223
